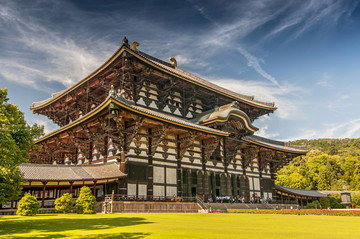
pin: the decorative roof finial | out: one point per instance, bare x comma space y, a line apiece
125, 41
112, 91
173, 61
134, 45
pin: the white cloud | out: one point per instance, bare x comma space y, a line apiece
325, 80
287, 97
254, 63
49, 126
346, 129
262, 132
37, 56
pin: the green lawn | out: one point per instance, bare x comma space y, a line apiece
179, 226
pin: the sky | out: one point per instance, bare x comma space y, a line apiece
304, 55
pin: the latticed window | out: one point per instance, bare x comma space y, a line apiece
217, 179
185, 177
267, 184
193, 178
137, 172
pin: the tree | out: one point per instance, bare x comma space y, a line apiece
28, 205
16, 140
335, 201
355, 198
64, 203
86, 201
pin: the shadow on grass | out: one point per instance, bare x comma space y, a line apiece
55, 225
125, 235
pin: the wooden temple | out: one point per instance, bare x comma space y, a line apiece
169, 133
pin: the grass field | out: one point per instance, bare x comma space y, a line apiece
179, 226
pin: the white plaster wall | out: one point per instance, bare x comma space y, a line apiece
142, 190
256, 184
171, 175
159, 191
251, 183
131, 189
158, 174
171, 191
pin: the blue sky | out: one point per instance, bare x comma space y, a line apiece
302, 55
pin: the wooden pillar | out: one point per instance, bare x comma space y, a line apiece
178, 178
189, 185
179, 171
95, 188
43, 195
150, 180
260, 169
71, 186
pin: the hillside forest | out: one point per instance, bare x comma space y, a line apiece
331, 164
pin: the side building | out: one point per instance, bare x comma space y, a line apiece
168, 132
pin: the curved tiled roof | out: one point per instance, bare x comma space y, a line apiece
223, 113
163, 66
170, 118
61, 172
301, 192
120, 101
274, 144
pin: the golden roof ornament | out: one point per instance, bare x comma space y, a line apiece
134, 45
173, 61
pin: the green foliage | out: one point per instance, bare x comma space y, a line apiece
314, 204
16, 140
64, 203
28, 205
86, 201
355, 198
325, 202
335, 201
331, 164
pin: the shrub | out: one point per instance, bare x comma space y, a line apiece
335, 201
28, 205
314, 204
325, 203
86, 201
64, 203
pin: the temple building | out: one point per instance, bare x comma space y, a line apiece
145, 129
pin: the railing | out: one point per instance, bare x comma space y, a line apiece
282, 202
118, 197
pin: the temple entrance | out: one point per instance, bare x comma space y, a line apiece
193, 191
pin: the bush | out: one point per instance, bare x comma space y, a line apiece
86, 201
314, 204
325, 203
64, 203
335, 201
28, 205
